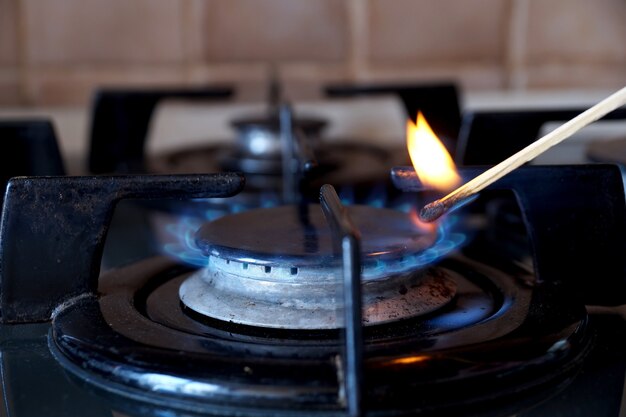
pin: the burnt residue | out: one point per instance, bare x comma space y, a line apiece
432, 211
440, 284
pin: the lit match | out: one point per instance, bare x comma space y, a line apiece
437, 208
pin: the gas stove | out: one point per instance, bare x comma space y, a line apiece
318, 306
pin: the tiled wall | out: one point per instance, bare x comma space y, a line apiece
54, 52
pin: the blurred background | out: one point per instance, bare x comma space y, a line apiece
55, 53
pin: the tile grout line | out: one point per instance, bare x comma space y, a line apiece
358, 39
22, 53
516, 77
185, 17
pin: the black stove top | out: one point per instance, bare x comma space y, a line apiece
494, 342
504, 341
336, 308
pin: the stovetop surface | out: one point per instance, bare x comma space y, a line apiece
35, 384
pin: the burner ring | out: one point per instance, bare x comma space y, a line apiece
312, 305
277, 268
161, 356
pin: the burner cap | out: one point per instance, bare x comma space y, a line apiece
288, 237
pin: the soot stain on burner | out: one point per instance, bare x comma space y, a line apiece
439, 287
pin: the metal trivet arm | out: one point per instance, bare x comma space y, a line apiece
347, 241
53, 229
298, 160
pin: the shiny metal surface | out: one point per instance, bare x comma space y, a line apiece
347, 242
260, 136
296, 303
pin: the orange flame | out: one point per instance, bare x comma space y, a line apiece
423, 226
431, 160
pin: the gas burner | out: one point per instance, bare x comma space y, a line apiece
259, 136
494, 335
505, 337
136, 340
276, 268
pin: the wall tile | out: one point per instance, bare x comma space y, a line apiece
94, 31
299, 81
275, 30
576, 76
10, 94
307, 82
8, 32
468, 76
437, 31
194, 15
72, 46
577, 30
76, 86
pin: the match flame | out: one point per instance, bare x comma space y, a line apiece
431, 160
421, 225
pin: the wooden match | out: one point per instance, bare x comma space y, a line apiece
434, 210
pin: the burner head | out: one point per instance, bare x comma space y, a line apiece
291, 237
260, 136
498, 342
277, 268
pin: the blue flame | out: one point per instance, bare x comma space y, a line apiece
346, 195
448, 240
269, 199
377, 197
181, 236
183, 246
238, 208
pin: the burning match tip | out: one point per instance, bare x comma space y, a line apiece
432, 211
